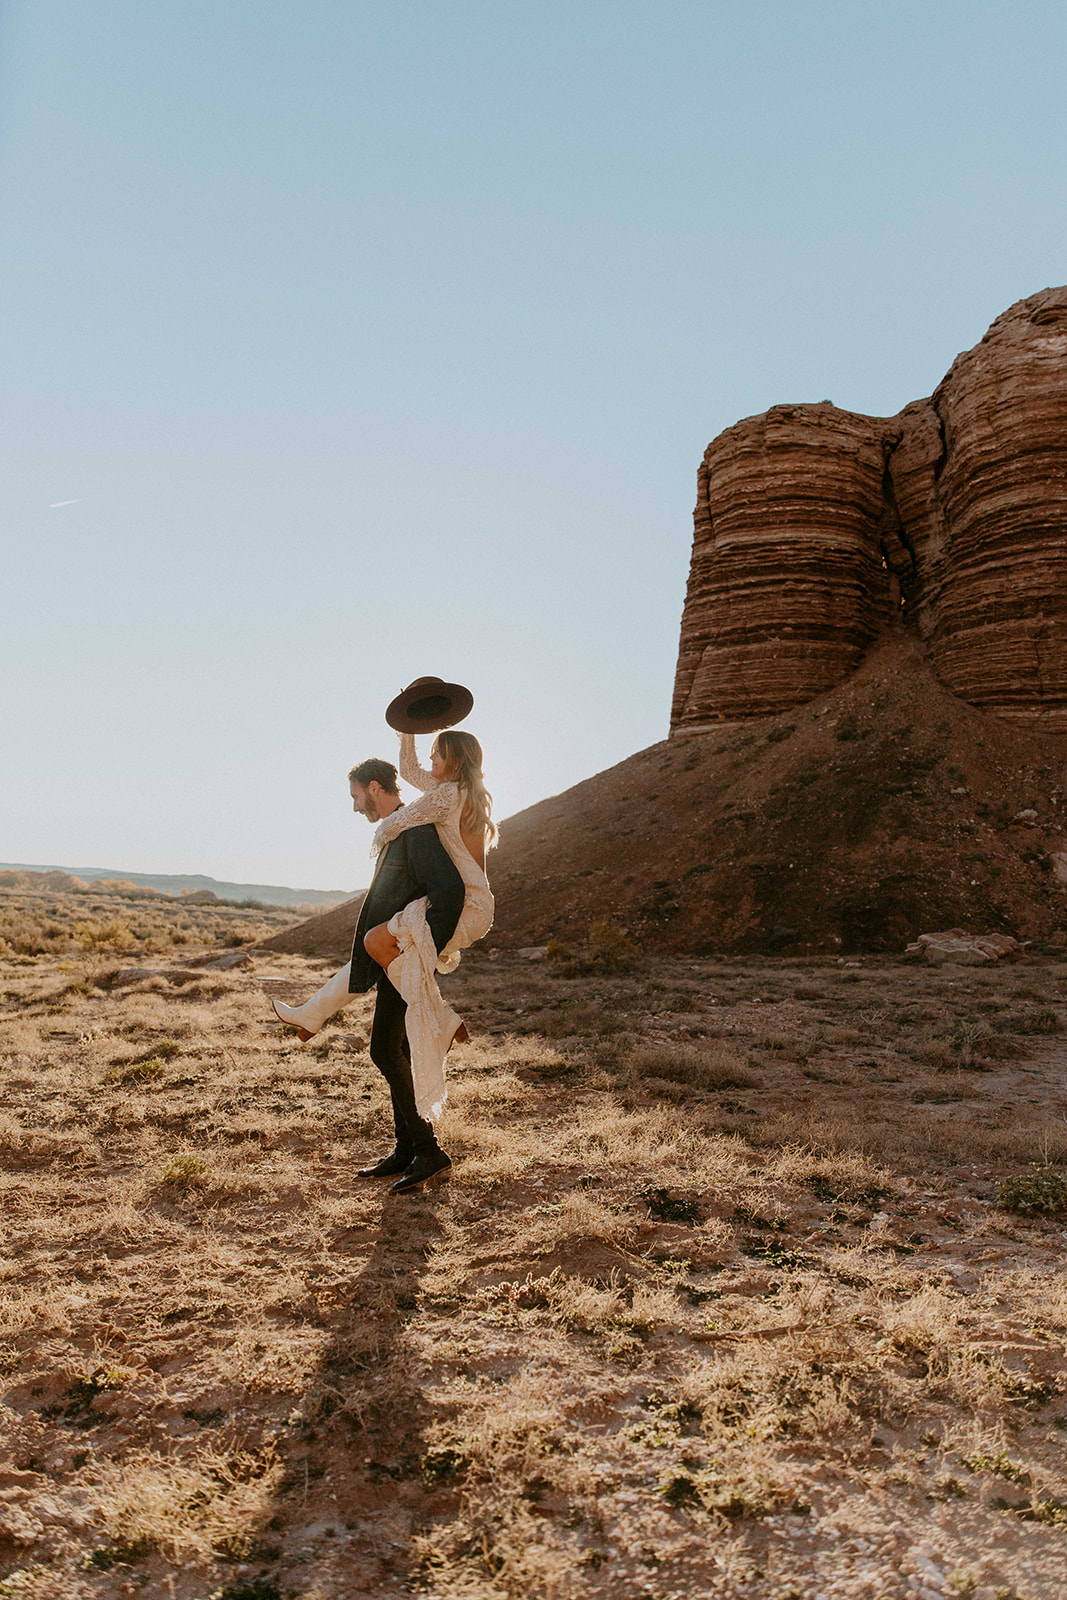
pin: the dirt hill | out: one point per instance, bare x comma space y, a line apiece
880, 810
328, 934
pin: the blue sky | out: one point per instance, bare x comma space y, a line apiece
380, 340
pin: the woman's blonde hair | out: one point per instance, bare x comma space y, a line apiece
464, 756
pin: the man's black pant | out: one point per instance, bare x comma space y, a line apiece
391, 1055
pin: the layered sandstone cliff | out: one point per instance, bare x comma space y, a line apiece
787, 588
999, 635
815, 526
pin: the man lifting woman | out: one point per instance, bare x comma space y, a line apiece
428, 900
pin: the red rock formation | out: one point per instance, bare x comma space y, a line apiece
813, 526
787, 586
999, 625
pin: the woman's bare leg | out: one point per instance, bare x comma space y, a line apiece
380, 945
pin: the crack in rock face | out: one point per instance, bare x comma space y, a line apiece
816, 528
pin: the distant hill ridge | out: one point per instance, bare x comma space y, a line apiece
270, 894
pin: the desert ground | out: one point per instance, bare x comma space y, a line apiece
747, 1281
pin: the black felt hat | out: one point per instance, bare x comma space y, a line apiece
428, 705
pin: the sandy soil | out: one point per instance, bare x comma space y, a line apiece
719, 1299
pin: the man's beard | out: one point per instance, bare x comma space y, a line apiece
370, 811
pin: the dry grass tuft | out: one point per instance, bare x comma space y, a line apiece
714, 1065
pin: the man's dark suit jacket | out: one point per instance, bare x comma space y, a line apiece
416, 863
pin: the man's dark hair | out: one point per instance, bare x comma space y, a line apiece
375, 771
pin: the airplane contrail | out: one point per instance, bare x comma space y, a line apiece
55, 504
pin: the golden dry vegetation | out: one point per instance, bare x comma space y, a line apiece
119, 918
722, 1299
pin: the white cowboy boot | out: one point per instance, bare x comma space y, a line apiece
324, 1003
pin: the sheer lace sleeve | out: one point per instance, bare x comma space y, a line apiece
410, 770
433, 806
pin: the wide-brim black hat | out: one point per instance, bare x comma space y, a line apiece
428, 705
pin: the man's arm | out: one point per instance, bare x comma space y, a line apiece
435, 872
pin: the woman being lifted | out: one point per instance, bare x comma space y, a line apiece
454, 798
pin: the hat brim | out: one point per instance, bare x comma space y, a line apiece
429, 707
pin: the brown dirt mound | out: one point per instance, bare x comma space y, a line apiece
884, 808
328, 934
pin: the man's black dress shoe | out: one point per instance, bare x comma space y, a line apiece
388, 1166
423, 1167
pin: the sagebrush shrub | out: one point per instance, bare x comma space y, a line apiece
1041, 1192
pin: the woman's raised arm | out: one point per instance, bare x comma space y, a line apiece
410, 770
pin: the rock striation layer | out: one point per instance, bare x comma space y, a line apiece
814, 527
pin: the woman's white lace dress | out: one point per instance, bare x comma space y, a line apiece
431, 1023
